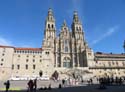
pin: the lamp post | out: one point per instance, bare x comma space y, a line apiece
124, 46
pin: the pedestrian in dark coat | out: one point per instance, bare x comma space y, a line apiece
35, 84
7, 84
30, 86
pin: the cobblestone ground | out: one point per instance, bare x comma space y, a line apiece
76, 88
23, 84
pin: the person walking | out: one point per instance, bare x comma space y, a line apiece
63, 82
30, 86
7, 84
35, 84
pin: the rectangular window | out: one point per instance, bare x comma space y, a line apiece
116, 63
22, 51
40, 60
34, 66
113, 63
123, 63
109, 63
18, 67
27, 60
26, 66
12, 66
2, 59
66, 64
25, 51
33, 60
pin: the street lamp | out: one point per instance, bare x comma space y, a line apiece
124, 46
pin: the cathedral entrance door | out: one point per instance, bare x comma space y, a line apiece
67, 62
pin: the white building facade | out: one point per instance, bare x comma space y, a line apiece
67, 51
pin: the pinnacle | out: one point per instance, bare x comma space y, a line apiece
50, 12
64, 23
75, 13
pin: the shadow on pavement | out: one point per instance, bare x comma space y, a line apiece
88, 88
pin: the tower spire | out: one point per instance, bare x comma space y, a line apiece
64, 23
50, 16
50, 30
50, 12
77, 27
75, 17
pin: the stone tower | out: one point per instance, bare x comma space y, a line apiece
50, 30
78, 36
48, 43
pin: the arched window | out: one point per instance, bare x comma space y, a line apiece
34, 66
52, 26
77, 29
65, 42
51, 18
48, 25
66, 49
64, 29
26, 66
80, 28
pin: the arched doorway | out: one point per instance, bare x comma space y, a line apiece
40, 73
66, 62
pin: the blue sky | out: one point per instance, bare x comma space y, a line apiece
22, 22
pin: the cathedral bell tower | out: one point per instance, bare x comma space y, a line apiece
48, 44
77, 30
79, 41
50, 30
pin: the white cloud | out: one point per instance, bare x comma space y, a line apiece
105, 35
4, 41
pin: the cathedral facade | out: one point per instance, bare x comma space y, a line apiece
66, 51
69, 46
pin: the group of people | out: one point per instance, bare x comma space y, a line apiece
32, 85
89, 81
103, 81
